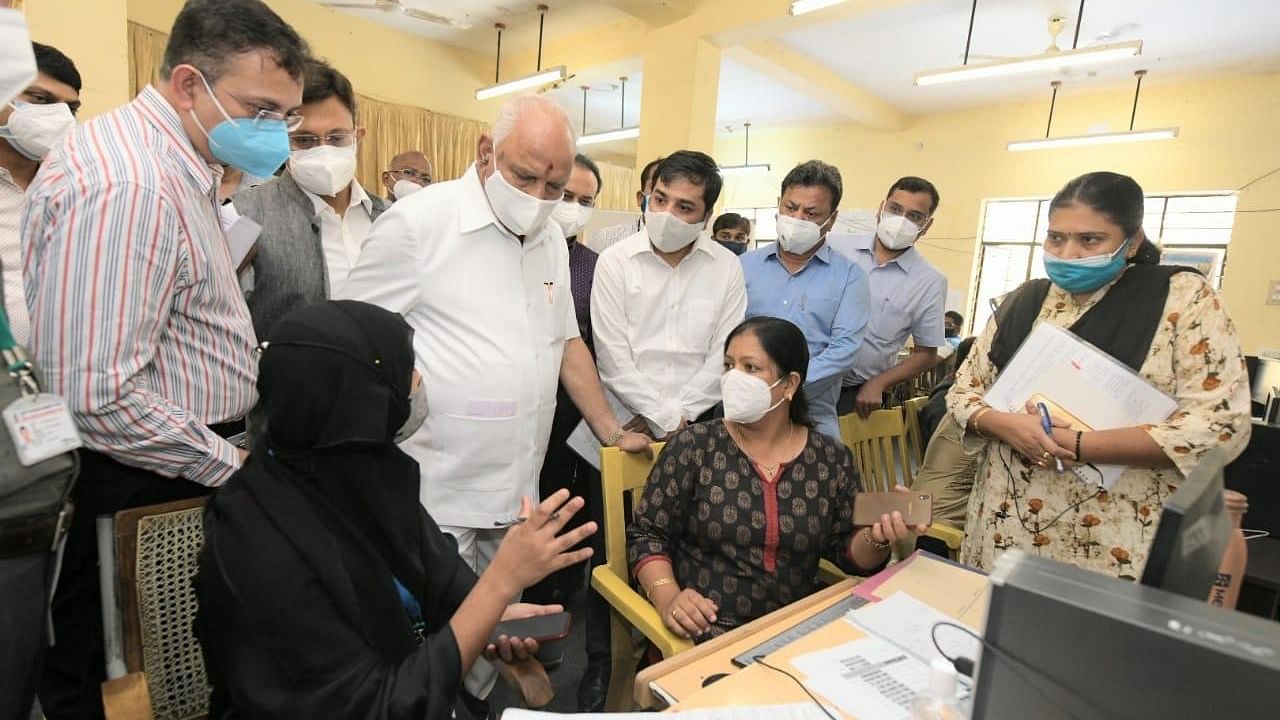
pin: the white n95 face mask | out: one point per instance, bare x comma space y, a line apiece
746, 397
404, 188
417, 414
798, 236
17, 58
896, 232
520, 212
324, 169
33, 130
669, 233
571, 217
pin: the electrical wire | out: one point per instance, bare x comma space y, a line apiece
1017, 665
760, 660
1017, 510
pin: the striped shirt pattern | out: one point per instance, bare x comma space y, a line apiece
136, 313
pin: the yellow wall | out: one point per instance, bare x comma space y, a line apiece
380, 62
95, 37
1228, 137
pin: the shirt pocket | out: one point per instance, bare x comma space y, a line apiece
891, 325
696, 325
818, 314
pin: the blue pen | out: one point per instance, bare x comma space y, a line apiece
1047, 424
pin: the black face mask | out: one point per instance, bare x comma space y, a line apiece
733, 247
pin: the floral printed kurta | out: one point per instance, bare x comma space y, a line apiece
1195, 358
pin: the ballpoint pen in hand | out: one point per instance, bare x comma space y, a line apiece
1047, 423
512, 522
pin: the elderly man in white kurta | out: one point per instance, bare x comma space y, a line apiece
483, 279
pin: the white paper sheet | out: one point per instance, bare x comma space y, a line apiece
908, 623
242, 232
1086, 382
796, 711
869, 679
585, 443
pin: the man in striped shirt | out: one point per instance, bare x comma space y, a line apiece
136, 313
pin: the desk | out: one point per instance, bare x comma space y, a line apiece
950, 588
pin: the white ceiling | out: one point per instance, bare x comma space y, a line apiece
565, 17
882, 51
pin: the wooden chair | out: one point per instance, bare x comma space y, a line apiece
624, 474
157, 555
916, 442
882, 454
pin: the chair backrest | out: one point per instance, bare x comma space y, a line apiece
621, 474
157, 554
879, 446
915, 439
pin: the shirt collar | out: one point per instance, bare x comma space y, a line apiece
6, 177
160, 114
474, 212
358, 197
701, 244
823, 254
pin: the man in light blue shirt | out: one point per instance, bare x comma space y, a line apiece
801, 279
908, 296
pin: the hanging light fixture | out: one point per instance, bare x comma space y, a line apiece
1096, 138
537, 79
800, 7
622, 133
1051, 60
746, 167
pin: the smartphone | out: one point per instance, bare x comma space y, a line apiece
1057, 413
916, 507
543, 628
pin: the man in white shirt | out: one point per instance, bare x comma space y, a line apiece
482, 276
606, 238
663, 302
315, 217
30, 126
907, 296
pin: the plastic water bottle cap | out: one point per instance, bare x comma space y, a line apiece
942, 679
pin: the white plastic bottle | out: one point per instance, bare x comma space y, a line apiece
939, 701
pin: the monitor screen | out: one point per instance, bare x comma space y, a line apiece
1264, 377
1193, 533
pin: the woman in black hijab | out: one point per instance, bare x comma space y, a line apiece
325, 589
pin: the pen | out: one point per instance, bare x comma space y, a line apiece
1047, 424
512, 522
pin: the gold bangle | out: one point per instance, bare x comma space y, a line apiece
657, 584
978, 416
873, 543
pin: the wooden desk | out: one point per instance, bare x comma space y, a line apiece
951, 589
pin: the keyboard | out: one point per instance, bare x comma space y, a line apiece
800, 629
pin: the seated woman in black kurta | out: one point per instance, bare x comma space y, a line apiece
737, 513
325, 589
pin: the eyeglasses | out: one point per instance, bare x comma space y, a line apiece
260, 114
914, 216
412, 174
306, 141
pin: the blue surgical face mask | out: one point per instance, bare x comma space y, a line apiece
736, 248
1086, 274
256, 146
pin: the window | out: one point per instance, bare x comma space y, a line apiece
1192, 230
764, 227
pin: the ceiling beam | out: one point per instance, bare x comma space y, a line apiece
798, 72
655, 12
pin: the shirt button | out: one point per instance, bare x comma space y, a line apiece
786, 302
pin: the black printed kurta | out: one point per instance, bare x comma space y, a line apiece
750, 544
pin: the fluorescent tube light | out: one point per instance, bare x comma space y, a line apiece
800, 7
611, 135
744, 169
1033, 63
1095, 139
538, 79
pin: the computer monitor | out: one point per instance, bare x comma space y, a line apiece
1264, 377
1193, 533
1062, 642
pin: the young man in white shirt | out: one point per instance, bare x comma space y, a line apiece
315, 217
663, 302
907, 296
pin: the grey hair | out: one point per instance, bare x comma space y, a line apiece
524, 105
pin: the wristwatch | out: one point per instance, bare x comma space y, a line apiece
614, 438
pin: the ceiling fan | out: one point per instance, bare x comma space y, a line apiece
396, 6
1057, 24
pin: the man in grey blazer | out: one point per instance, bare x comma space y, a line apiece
315, 216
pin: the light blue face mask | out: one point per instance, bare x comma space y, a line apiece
257, 146
1086, 274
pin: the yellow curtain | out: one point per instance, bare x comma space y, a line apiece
448, 142
618, 187
146, 55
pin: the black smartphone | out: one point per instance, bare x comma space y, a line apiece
543, 628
